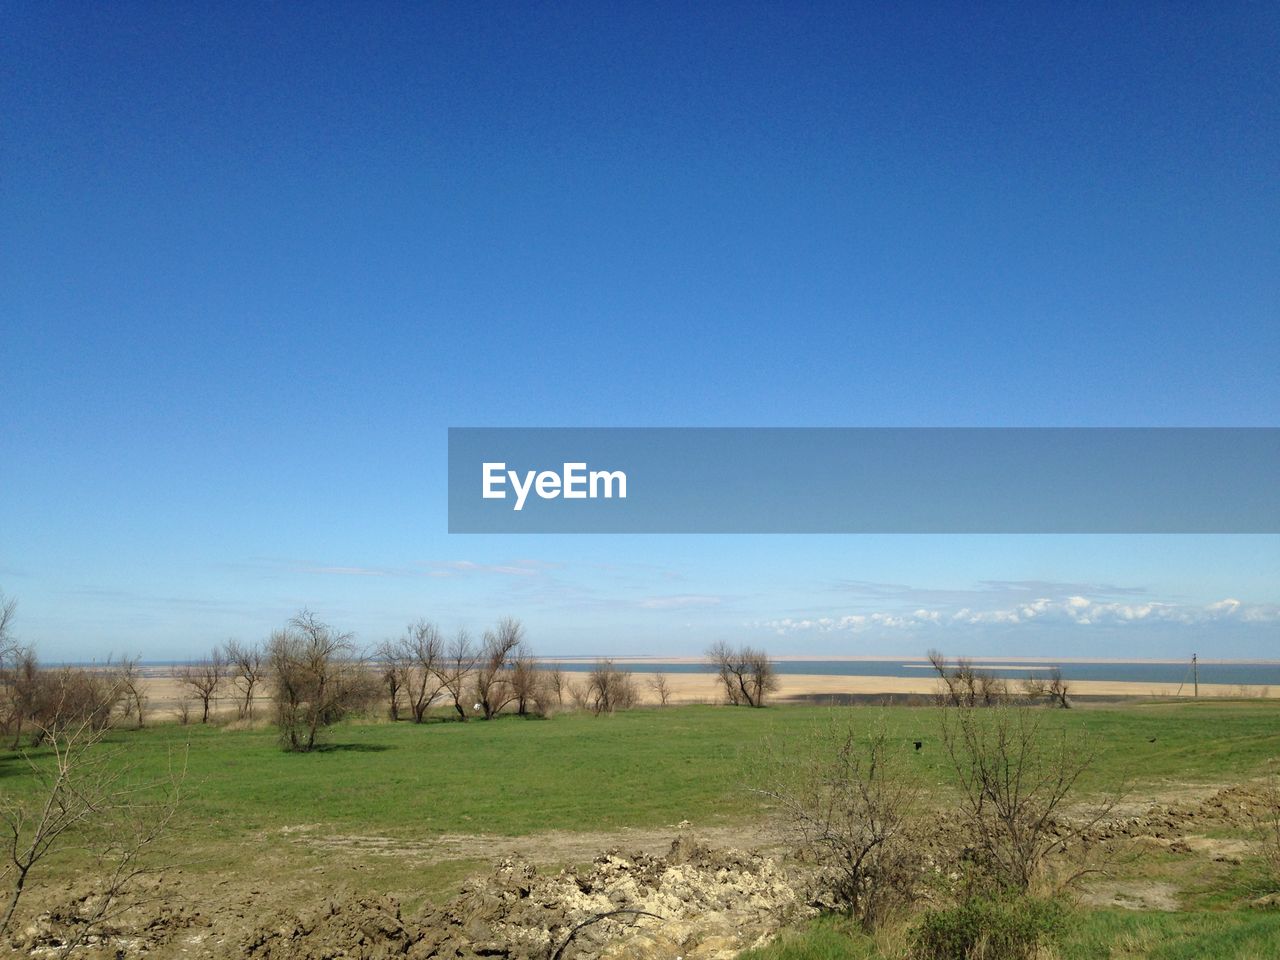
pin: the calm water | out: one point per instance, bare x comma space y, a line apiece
1231, 673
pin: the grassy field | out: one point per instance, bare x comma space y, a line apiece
643, 768
650, 769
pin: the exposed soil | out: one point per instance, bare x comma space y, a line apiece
694, 902
696, 899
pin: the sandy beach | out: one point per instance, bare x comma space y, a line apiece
165, 694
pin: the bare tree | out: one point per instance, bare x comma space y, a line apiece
83, 792
455, 669
1053, 687
422, 651
247, 666
23, 688
317, 679
525, 682
850, 804
133, 689
202, 678
1016, 776
964, 685
492, 680
609, 688
555, 681
661, 688
393, 670
746, 673
1059, 689
8, 612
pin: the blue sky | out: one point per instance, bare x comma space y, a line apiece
256, 259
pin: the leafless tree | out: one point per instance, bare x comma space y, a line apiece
317, 680
86, 795
1053, 687
133, 689
850, 803
525, 681
555, 682
746, 673
964, 685
8, 612
203, 678
1059, 689
67, 696
23, 683
609, 688
247, 667
393, 670
492, 680
455, 669
661, 688
423, 651
1016, 774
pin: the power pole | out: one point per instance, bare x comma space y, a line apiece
1195, 673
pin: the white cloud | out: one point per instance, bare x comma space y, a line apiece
1073, 610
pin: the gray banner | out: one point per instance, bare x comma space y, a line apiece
864, 480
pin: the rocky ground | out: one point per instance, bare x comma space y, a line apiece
696, 901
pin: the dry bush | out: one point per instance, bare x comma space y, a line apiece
609, 689
579, 694
45, 701
317, 680
661, 687
1016, 776
746, 673
1269, 827
1054, 688
850, 804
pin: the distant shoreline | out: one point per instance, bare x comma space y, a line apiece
875, 658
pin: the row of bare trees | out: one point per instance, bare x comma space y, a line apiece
242, 666
964, 685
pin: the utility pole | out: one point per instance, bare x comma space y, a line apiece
1195, 673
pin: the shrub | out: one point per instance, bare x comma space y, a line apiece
850, 805
1003, 928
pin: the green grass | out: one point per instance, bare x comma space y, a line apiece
652, 769
1096, 935
645, 768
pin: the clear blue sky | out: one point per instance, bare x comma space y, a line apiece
256, 259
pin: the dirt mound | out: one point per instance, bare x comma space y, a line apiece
153, 917
371, 929
1241, 805
695, 902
